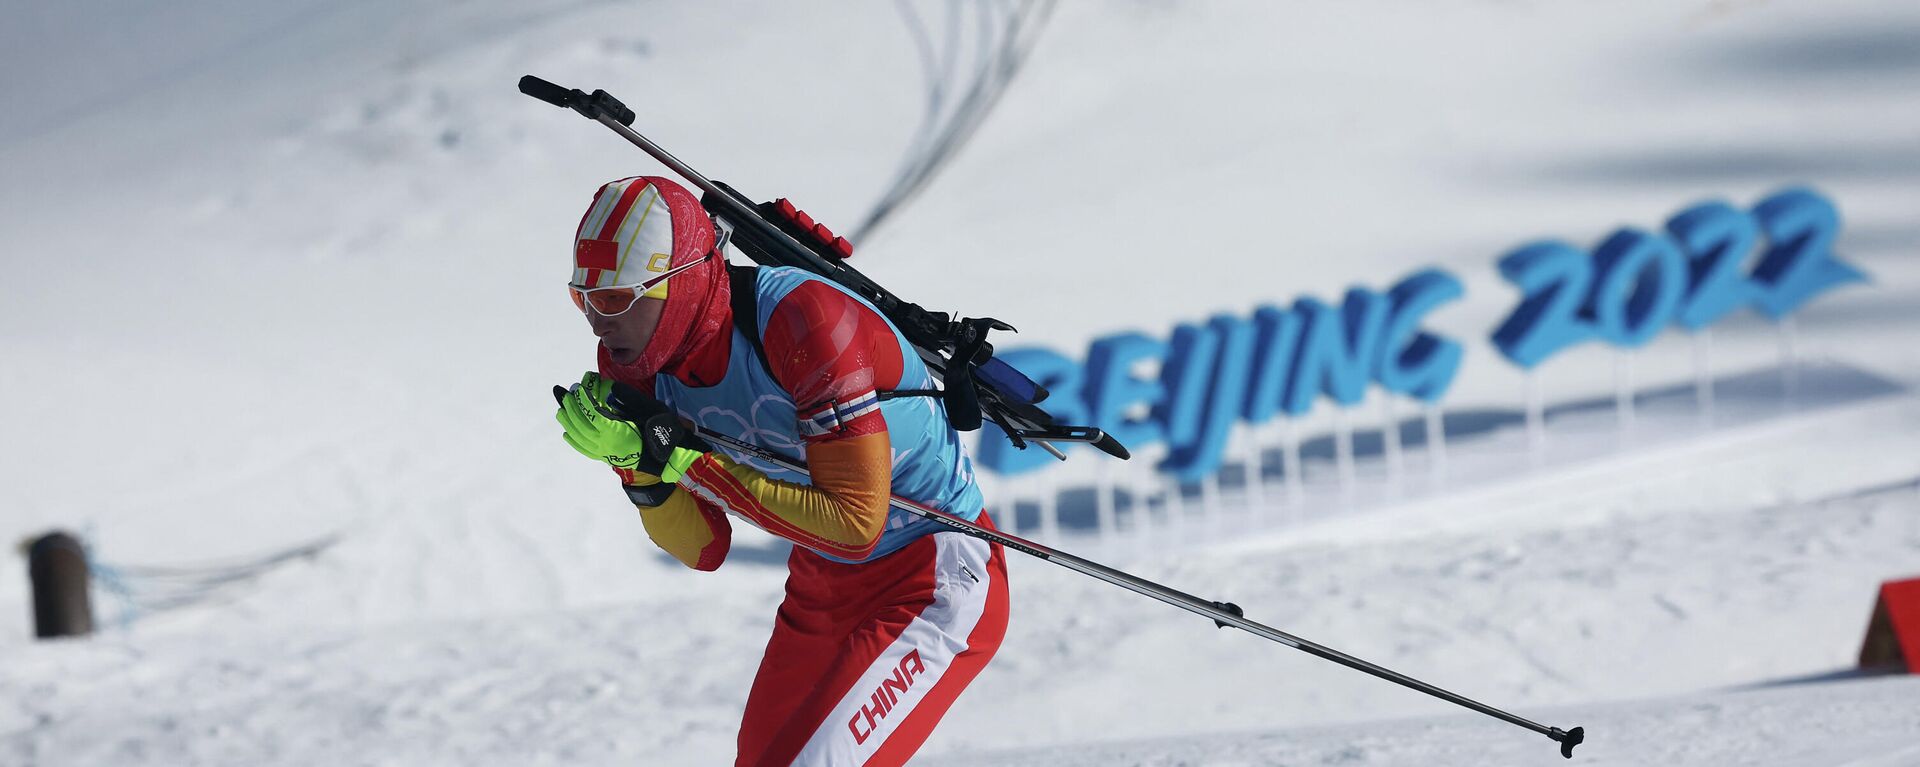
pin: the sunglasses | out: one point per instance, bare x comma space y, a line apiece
616, 300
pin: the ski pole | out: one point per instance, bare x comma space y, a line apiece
603, 108
1224, 614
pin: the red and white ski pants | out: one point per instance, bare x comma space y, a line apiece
866, 658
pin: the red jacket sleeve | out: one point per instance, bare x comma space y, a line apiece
832, 354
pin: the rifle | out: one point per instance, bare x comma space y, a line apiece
975, 385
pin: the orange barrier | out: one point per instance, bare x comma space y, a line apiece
1893, 634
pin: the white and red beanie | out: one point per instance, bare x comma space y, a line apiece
637, 228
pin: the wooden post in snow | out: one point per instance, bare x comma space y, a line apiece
57, 565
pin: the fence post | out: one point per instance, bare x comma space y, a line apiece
57, 565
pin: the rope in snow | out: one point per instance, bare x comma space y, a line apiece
142, 589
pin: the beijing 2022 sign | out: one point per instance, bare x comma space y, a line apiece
1284, 360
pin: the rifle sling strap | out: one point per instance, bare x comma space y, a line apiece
745, 299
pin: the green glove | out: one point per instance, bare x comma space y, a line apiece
658, 444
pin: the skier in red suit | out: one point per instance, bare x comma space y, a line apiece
887, 616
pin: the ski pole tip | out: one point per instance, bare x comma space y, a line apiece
1568, 739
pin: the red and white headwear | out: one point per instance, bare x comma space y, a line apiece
629, 233
639, 227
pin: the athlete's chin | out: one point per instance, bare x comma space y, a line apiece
622, 355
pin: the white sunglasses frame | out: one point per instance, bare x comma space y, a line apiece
640, 289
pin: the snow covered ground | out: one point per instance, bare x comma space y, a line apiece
1862, 724
1571, 624
288, 274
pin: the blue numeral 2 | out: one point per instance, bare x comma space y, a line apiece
1800, 226
1553, 277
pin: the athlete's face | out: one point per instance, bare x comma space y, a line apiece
626, 334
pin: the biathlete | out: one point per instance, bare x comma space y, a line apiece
887, 616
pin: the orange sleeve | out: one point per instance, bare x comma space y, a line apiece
842, 513
693, 532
